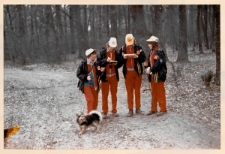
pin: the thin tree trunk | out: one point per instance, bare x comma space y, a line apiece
204, 21
182, 53
217, 40
72, 29
113, 19
199, 30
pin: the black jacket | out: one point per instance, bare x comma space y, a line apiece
82, 73
159, 66
137, 61
102, 61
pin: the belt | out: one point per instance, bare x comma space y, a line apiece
130, 69
110, 75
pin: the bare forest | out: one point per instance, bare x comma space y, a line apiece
44, 44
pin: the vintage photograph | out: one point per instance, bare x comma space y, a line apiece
112, 77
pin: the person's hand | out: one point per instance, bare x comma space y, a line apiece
135, 56
145, 63
99, 68
138, 52
114, 63
102, 69
88, 78
125, 57
109, 59
156, 57
147, 70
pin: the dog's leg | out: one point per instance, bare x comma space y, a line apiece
83, 130
80, 128
97, 126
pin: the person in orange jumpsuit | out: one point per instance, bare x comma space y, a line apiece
156, 69
132, 56
88, 79
109, 59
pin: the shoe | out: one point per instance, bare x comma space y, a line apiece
105, 116
130, 113
150, 113
115, 114
138, 111
161, 113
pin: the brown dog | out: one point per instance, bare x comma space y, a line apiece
92, 119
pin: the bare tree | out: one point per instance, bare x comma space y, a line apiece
138, 25
216, 9
182, 52
113, 20
199, 29
72, 29
204, 22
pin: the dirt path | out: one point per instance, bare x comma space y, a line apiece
44, 104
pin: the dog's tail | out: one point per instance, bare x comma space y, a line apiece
98, 113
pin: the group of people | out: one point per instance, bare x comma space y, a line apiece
101, 70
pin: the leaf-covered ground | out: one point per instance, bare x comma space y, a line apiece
43, 100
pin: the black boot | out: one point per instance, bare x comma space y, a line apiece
130, 113
151, 113
138, 111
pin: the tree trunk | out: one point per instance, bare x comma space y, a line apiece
9, 35
80, 40
65, 30
105, 18
128, 19
21, 52
113, 19
199, 30
60, 36
182, 53
204, 21
217, 40
72, 29
138, 26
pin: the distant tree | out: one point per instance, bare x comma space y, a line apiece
182, 52
199, 29
204, 22
138, 25
192, 28
113, 20
72, 29
216, 15
81, 33
59, 30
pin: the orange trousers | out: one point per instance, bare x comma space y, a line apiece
158, 96
91, 96
133, 86
111, 86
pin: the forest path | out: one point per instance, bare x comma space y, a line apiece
44, 103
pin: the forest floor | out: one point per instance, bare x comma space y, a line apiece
43, 100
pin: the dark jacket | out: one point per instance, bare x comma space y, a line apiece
137, 61
82, 73
102, 61
159, 66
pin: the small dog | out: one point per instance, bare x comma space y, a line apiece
92, 119
10, 132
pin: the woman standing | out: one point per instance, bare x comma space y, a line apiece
88, 79
109, 59
156, 69
132, 56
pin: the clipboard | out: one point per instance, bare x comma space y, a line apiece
113, 61
129, 55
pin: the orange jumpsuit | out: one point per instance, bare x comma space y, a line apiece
111, 85
157, 91
132, 82
90, 93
